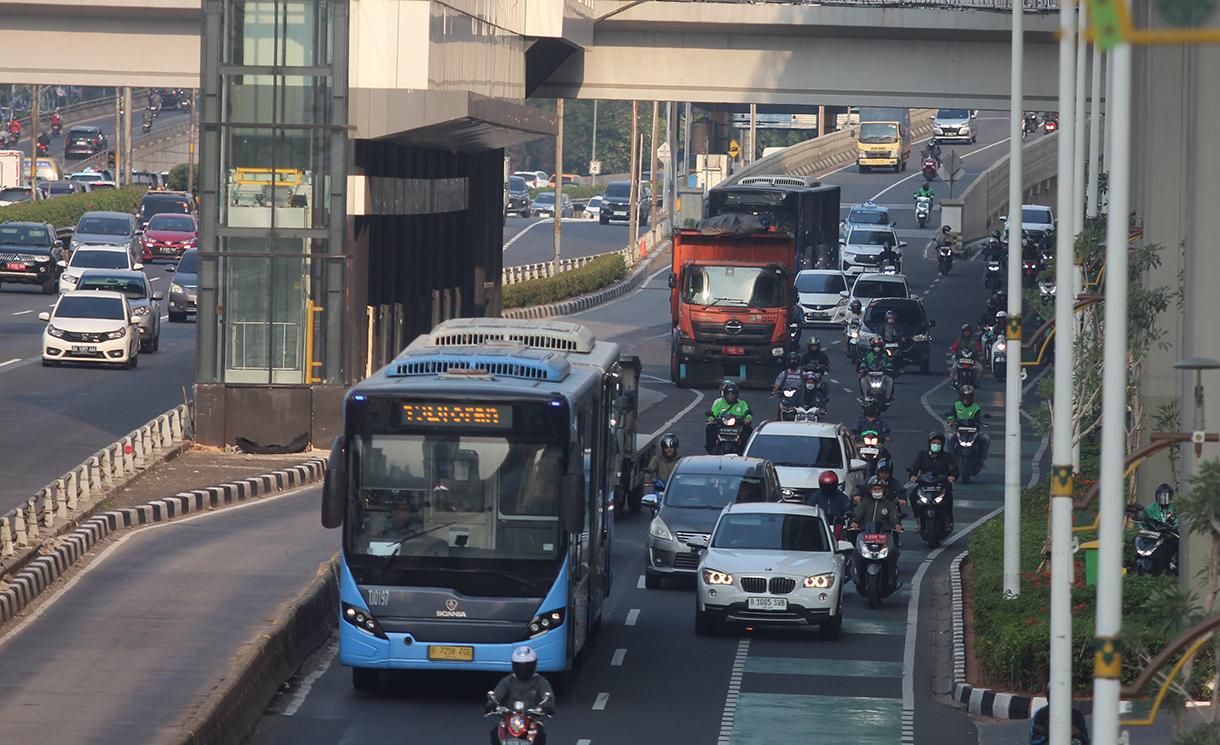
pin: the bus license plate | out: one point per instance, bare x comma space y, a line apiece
732, 350
462, 654
767, 603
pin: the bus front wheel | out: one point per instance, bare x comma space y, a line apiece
365, 678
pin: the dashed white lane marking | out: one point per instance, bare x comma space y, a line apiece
846, 389
600, 702
639, 585
617, 659
307, 684
730, 700
22, 312
632, 616
10, 362
156, 279
832, 380
679, 415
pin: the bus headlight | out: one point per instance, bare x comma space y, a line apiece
363, 620
542, 623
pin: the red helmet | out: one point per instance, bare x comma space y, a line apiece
828, 478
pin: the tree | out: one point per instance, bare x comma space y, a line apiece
177, 177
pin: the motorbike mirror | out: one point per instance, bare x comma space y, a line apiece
698, 542
1003, 218
845, 547
857, 465
650, 501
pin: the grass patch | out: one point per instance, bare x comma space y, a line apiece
66, 211
601, 272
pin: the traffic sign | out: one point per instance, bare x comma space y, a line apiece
734, 149
951, 170
595, 168
663, 152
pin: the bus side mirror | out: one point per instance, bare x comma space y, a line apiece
334, 489
573, 502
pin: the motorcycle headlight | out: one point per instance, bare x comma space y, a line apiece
854, 334
176, 288
730, 422
920, 337
1001, 346
820, 581
940, 498
713, 577
55, 332
1145, 551
658, 529
119, 334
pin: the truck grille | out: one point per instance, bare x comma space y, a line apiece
751, 333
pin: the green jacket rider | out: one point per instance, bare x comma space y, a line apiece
925, 191
1162, 509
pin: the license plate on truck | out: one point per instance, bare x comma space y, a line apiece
767, 603
461, 654
732, 350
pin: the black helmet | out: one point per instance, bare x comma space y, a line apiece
936, 435
855, 306
814, 343
946, 229
793, 360
1164, 495
927, 184
730, 389
967, 330
967, 391
669, 440
884, 464
996, 234
869, 404
525, 662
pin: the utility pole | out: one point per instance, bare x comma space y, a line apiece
1107, 662
652, 168
634, 176
117, 146
1062, 569
1012, 370
190, 155
671, 183
593, 152
686, 145
1078, 197
34, 144
125, 164
1094, 133
753, 133
558, 213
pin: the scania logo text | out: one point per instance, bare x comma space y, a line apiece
451, 610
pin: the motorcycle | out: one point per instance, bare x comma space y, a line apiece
1046, 290
967, 368
56, 129
1029, 274
11, 138
874, 386
875, 563
788, 400
993, 277
729, 431
969, 457
889, 267
146, 127
1156, 545
923, 210
944, 258
929, 168
999, 356
851, 339
1029, 125
1050, 124
872, 450
42, 150
653, 501
931, 508
518, 725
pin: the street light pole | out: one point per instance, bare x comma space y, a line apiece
1062, 570
1094, 133
1012, 370
1107, 662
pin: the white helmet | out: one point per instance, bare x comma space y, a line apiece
525, 661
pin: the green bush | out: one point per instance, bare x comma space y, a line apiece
601, 272
177, 178
65, 211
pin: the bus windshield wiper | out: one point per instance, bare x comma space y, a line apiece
398, 546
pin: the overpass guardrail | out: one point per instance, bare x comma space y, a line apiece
986, 199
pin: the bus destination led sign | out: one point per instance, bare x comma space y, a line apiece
457, 415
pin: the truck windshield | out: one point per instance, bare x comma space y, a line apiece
757, 287
453, 497
879, 133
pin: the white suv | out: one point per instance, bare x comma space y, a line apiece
861, 248
869, 287
955, 124
801, 451
770, 564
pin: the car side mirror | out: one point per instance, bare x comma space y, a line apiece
673, 280
62, 264
650, 501
857, 465
844, 294
171, 268
137, 267
845, 547
158, 296
44, 316
902, 244
698, 542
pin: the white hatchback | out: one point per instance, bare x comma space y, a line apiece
869, 287
820, 296
770, 564
91, 326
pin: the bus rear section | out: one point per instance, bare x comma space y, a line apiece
473, 487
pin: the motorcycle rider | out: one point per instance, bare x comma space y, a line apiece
885, 477
879, 508
994, 249
871, 418
1162, 509
889, 256
940, 465
933, 149
662, 464
925, 191
729, 403
890, 331
56, 120
523, 684
1039, 725
14, 128
876, 358
813, 391
965, 341
814, 355
830, 497
44, 142
966, 411
791, 377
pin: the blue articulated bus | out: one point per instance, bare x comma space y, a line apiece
474, 484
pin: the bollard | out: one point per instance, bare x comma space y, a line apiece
95, 474
62, 498
31, 522
115, 469
75, 491
167, 440
176, 424
149, 442
129, 456
49, 507
6, 540
23, 536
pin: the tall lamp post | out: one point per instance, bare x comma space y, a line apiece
1198, 364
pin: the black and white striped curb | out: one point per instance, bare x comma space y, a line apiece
980, 701
24, 586
584, 302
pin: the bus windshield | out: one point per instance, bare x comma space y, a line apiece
756, 287
454, 497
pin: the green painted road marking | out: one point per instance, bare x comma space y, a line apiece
783, 719
888, 628
835, 668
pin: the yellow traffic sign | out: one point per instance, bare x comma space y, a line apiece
734, 149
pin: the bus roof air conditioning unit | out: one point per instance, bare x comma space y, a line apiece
509, 361
559, 336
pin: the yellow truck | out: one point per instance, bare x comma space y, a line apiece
883, 139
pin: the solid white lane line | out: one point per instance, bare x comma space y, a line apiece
307, 684
730, 699
22, 312
676, 417
155, 279
10, 362
639, 585
632, 616
617, 659
541, 221
600, 702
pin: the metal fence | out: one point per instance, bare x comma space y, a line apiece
523, 272
58, 505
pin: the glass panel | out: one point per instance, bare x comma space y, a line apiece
264, 319
287, 99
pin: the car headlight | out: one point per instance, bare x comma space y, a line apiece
658, 529
42, 259
713, 577
176, 288
920, 337
69, 278
821, 581
55, 332
189, 242
140, 311
117, 334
